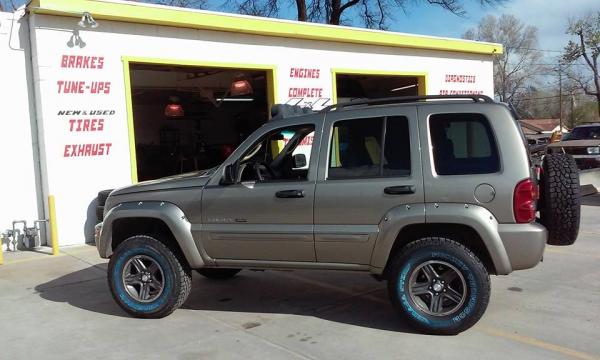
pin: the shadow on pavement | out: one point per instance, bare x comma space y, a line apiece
591, 200
348, 298
86, 289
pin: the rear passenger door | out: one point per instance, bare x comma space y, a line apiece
369, 163
462, 159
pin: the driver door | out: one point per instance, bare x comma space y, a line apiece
268, 219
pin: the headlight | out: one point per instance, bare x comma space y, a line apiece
593, 150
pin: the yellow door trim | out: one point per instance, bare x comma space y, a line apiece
134, 12
130, 128
270, 70
420, 75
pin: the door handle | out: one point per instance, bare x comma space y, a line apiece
399, 190
289, 194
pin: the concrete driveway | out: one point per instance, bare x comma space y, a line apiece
61, 308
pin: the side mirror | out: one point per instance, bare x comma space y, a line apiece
299, 161
228, 175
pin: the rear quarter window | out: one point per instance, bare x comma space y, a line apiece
463, 144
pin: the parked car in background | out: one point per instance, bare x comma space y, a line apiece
583, 143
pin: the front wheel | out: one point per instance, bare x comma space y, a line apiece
147, 279
439, 286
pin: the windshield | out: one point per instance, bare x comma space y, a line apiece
587, 132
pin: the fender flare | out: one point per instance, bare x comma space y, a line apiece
476, 217
168, 213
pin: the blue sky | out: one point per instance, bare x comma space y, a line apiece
551, 17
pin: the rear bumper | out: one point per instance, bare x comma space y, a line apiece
524, 243
587, 161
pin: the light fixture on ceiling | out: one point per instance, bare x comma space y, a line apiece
404, 87
240, 87
235, 99
87, 21
174, 109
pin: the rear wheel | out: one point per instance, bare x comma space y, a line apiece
218, 273
439, 286
146, 279
560, 202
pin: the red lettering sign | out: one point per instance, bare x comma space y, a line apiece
80, 150
79, 125
305, 92
303, 73
452, 78
81, 62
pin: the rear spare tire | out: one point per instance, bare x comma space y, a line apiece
560, 203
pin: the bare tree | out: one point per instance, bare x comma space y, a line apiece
516, 69
586, 48
373, 13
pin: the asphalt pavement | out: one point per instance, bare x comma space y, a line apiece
60, 308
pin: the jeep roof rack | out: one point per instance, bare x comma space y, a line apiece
407, 99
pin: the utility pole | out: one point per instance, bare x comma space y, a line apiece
572, 111
560, 97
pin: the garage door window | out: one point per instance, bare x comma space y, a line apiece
463, 144
357, 149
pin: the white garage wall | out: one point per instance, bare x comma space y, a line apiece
75, 180
18, 199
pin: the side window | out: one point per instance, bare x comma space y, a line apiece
397, 147
282, 154
463, 144
358, 149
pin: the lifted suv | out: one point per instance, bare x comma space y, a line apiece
432, 194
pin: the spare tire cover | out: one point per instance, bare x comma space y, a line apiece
560, 203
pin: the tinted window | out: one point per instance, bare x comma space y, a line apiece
397, 147
463, 144
357, 149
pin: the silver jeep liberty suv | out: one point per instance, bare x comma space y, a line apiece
430, 193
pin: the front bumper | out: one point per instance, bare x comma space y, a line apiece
97, 235
524, 243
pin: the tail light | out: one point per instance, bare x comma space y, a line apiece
526, 195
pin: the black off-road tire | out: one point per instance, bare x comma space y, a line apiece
471, 282
560, 200
177, 277
218, 273
102, 196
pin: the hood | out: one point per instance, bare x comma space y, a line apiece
576, 143
177, 182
